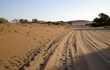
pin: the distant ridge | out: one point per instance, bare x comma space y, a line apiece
80, 21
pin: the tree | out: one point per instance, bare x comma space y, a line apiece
3, 20
34, 20
15, 21
96, 20
103, 20
23, 21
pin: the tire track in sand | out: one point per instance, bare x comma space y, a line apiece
75, 50
94, 51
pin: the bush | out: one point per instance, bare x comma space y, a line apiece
56, 23
96, 24
106, 26
3, 20
87, 24
70, 22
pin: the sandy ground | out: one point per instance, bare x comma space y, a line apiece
78, 49
18, 43
74, 49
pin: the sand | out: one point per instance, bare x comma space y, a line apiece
78, 49
17, 41
82, 48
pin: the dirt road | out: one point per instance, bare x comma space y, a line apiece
78, 49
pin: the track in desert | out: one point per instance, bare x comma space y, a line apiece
78, 49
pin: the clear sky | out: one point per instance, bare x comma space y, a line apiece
53, 10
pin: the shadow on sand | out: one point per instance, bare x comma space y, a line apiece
99, 60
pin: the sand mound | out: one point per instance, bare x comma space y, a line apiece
17, 40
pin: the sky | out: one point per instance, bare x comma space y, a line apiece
53, 10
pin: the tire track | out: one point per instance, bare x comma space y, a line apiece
99, 45
41, 60
75, 50
60, 63
100, 61
101, 37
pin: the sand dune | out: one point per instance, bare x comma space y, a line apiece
68, 49
17, 42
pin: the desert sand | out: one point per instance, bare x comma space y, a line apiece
83, 48
18, 42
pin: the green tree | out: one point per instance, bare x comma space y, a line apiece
23, 21
15, 21
102, 20
3, 20
34, 20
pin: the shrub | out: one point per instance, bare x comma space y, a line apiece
87, 24
95, 24
3, 20
56, 23
70, 22
106, 26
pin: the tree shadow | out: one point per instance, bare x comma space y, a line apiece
99, 60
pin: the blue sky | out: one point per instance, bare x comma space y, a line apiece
53, 10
